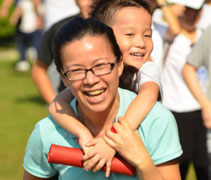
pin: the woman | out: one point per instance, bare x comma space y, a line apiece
92, 74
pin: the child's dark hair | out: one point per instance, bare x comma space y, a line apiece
78, 28
104, 10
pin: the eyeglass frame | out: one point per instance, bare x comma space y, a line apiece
90, 69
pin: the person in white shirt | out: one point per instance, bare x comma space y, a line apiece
178, 98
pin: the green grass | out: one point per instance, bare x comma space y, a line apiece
20, 108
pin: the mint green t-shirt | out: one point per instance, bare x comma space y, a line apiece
158, 131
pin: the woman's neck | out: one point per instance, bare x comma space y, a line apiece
99, 122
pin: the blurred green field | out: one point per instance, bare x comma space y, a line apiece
20, 108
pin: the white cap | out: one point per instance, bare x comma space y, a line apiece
195, 4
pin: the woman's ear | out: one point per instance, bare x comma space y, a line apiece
64, 79
120, 67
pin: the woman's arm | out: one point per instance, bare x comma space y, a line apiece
28, 176
142, 104
64, 115
130, 146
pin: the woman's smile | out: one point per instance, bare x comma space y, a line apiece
95, 96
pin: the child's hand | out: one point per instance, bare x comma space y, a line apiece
83, 140
126, 142
98, 155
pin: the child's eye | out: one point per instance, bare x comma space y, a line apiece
148, 35
129, 34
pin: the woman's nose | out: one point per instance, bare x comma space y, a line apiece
91, 78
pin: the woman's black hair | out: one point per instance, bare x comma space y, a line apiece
129, 79
78, 28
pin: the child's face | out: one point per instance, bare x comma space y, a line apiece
132, 28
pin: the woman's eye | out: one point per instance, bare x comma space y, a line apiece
77, 70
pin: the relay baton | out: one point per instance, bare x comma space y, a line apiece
73, 157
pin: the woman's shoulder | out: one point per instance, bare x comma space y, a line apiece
47, 132
160, 134
159, 116
159, 111
126, 95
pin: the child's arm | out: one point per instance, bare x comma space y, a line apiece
64, 115
147, 95
97, 152
142, 104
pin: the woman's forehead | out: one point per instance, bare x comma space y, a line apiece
87, 48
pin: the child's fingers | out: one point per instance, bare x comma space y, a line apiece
90, 153
92, 142
85, 149
89, 164
99, 165
108, 168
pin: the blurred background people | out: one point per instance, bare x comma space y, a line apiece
4, 8
205, 19
158, 40
28, 31
55, 10
201, 56
177, 96
50, 84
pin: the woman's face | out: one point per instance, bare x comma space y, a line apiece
132, 28
94, 93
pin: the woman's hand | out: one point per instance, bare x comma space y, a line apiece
126, 142
99, 153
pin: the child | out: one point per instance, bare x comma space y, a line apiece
29, 31
136, 45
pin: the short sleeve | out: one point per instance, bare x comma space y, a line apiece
149, 72
161, 135
36, 159
198, 55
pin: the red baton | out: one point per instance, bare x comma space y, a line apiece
73, 157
